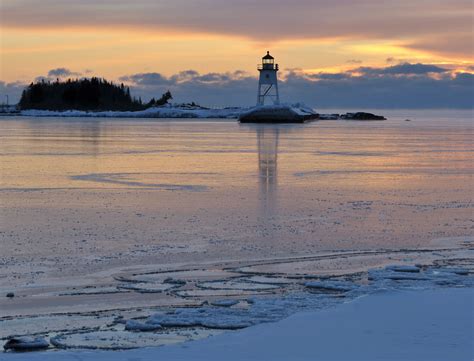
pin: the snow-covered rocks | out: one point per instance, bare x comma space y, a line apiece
26, 344
277, 114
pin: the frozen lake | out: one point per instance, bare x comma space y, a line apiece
96, 212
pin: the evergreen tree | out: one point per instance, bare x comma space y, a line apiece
84, 94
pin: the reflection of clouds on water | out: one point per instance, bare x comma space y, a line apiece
80, 137
354, 154
400, 172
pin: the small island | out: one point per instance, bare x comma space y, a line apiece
94, 94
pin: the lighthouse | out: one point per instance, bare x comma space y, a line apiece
268, 83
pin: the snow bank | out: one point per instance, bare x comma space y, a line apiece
168, 111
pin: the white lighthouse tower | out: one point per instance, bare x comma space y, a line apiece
268, 82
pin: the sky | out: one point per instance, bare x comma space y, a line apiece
367, 53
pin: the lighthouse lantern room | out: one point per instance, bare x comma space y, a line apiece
268, 83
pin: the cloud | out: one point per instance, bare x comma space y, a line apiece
399, 86
11, 90
431, 25
403, 69
61, 73
383, 91
212, 89
147, 79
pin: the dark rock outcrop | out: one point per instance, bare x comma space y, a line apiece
362, 116
277, 114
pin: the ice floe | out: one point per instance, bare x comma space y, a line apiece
26, 344
147, 287
271, 280
403, 268
209, 317
118, 340
237, 285
225, 303
219, 292
132, 325
331, 286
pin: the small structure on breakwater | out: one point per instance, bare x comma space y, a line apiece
268, 91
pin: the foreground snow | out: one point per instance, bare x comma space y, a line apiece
407, 325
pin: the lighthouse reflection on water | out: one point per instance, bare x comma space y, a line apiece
267, 143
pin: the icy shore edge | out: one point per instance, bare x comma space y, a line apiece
298, 112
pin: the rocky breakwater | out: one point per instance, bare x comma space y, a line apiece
278, 114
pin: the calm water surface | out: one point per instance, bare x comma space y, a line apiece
82, 195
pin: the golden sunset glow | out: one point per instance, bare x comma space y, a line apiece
118, 40
112, 50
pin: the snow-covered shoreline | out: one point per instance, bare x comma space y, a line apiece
272, 113
168, 111
405, 325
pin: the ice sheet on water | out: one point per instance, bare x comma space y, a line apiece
210, 317
204, 293
132, 325
271, 280
117, 340
224, 303
147, 287
237, 285
332, 286
426, 277
403, 268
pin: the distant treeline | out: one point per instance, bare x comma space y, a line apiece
84, 94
